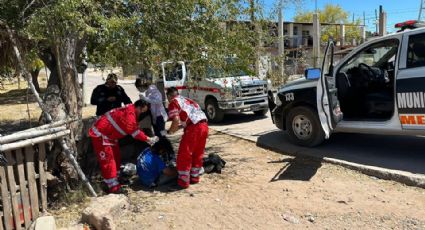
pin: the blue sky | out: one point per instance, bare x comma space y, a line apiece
397, 10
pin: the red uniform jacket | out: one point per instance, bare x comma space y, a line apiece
188, 111
118, 123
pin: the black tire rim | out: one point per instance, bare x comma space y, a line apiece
211, 111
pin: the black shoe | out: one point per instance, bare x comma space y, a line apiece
120, 190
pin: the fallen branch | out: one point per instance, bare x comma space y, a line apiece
27, 75
32, 134
33, 141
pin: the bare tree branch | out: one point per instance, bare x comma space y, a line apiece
26, 8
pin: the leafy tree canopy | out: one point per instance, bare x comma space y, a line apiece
332, 14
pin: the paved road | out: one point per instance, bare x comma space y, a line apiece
403, 153
95, 78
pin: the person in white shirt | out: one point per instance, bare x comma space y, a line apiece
151, 94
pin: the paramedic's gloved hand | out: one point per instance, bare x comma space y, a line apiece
152, 140
164, 133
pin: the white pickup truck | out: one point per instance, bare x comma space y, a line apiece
378, 88
216, 93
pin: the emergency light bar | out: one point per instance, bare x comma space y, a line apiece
410, 24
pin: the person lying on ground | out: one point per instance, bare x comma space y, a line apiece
105, 133
155, 164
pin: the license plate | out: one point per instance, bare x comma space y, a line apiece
255, 107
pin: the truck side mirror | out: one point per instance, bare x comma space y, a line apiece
312, 73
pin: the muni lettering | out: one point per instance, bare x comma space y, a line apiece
411, 100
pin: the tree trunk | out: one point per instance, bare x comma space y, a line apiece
49, 61
63, 99
67, 154
34, 76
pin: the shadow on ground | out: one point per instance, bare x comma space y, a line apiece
17, 96
237, 118
298, 168
404, 153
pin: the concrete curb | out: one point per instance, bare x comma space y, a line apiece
402, 177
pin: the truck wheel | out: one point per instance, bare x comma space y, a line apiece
213, 112
261, 113
303, 127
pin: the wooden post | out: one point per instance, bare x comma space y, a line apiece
12, 190
316, 40
5, 200
29, 157
42, 173
23, 188
342, 34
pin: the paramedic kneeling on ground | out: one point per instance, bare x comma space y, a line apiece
105, 134
186, 112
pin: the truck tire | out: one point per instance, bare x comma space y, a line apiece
303, 127
213, 112
261, 113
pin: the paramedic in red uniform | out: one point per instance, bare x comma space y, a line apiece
186, 112
105, 134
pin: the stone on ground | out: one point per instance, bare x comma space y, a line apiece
103, 212
44, 223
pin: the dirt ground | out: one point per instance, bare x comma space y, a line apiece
260, 189
19, 111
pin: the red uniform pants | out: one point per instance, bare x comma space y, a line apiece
191, 152
109, 158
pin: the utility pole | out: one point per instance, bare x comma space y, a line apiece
363, 29
316, 40
280, 30
376, 21
258, 32
382, 21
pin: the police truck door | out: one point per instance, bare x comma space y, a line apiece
411, 81
327, 99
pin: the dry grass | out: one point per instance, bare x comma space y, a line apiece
20, 111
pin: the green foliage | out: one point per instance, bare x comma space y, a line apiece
126, 32
154, 31
332, 14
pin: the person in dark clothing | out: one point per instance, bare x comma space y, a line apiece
109, 96
156, 164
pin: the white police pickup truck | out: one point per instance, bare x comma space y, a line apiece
378, 88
